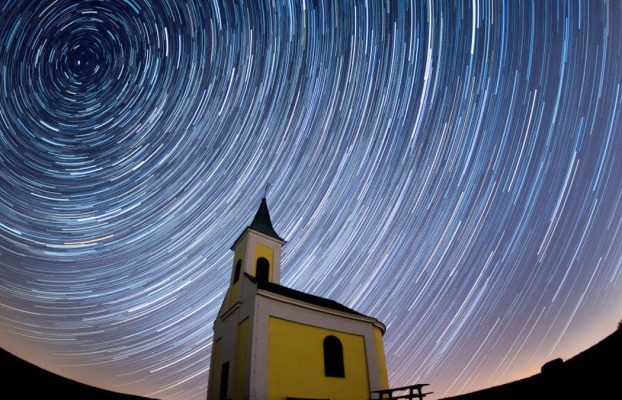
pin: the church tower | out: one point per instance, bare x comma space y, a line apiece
258, 249
275, 343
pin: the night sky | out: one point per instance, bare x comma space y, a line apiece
453, 169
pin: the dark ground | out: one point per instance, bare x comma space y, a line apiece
22, 380
595, 373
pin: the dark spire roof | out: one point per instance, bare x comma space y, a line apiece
262, 223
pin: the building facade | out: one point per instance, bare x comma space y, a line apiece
272, 342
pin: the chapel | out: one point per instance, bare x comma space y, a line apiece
275, 343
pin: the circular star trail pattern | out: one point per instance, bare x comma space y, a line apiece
452, 168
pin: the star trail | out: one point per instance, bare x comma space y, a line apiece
453, 168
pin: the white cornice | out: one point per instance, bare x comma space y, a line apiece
261, 235
325, 310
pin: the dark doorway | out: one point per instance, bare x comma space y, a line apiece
333, 357
238, 267
263, 270
224, 382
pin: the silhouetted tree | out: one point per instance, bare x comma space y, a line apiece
620, 324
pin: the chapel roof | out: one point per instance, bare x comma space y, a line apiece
302, 296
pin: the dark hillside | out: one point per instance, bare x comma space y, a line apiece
596, 373
23, 380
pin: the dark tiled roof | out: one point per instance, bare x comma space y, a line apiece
262, 223
305, 297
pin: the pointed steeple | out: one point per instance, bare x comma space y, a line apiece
258, 249
262, 223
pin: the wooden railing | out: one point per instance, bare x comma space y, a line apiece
405, 392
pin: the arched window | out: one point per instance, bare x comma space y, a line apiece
333, 357
238, 267
263, 270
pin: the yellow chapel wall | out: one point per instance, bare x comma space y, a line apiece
213, 385
239, 254
242, 344
233, 295
298, 349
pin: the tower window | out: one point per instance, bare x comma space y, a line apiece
238, 267
333, 357
263, 270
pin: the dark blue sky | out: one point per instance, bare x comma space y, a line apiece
452, 168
